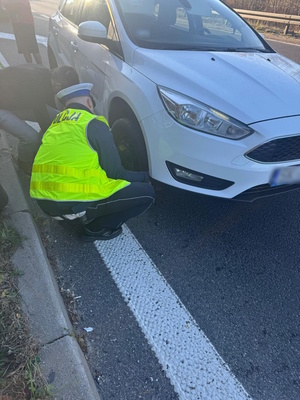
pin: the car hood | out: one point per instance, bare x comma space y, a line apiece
250, 87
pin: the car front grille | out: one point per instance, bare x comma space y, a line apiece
278, 150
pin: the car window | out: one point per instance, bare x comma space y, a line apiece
70, 9
97, 10
186, 24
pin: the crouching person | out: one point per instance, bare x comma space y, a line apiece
77, 172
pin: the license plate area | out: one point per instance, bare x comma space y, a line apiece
286, 176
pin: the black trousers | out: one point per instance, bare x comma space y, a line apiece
112, 212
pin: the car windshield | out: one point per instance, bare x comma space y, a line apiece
187, 25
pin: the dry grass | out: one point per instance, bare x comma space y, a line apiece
289, 7
20, 376
274, 6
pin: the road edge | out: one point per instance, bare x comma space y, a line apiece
62, 360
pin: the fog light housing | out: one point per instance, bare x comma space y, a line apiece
184, 174
195, 178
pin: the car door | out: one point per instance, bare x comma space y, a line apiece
91, 59
64, 28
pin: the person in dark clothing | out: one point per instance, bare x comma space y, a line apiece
77, 172
23, 26
30, 88
28, 93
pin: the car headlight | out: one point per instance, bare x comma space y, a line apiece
199, 116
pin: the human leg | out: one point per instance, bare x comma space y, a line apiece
27, 57
127, 203
107, 216
26, 42
38, 58
29, 138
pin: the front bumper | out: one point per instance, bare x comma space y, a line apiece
216, 157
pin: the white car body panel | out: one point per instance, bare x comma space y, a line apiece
267, 83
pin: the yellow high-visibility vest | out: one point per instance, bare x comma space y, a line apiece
66, 167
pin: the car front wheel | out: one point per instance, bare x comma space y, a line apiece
130, 144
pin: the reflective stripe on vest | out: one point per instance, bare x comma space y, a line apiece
66, 168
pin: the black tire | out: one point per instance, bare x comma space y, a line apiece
130, 143
3, 198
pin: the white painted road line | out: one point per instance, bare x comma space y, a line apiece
280, 41
3, 62
190, 361
9, 36
36, 14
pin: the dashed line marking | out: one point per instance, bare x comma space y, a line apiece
188, 358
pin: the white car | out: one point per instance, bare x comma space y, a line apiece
191, 92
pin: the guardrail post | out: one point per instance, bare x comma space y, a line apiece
286, 29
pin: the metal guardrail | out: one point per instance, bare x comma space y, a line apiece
272, 17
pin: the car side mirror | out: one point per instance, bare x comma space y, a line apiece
95, 32
92, 31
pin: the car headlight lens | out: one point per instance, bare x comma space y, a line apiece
199, 116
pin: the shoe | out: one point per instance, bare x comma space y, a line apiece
103, 234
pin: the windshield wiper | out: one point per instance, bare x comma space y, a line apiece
208, 48
247, 49
189, 48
